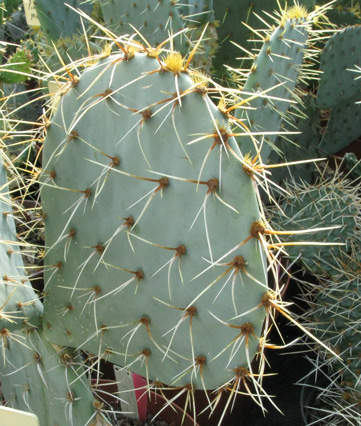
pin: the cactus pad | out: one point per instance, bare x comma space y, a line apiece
152, 223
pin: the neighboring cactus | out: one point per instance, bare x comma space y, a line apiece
17, 69
334, 403
334, 318
278, 63
343, 126
339, 89
340, 53
344, 12
299, 145
238, 23
353, 165
58, 20
332, 201
48, 380
155, 151
19, 304
198, 10
156, 20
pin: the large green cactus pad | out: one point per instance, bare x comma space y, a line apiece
151, 221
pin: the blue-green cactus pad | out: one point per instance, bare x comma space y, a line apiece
273, 76
343, 126
126, 128
44, 379
58, 20
341, 54
155, 20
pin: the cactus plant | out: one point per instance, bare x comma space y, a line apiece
137, 139
18, 67
165, 196
275, 72
330, 202
20, 306
333, 316
156, 21
58, 20
239, 29
49, 381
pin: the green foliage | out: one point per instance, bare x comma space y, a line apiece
7, 7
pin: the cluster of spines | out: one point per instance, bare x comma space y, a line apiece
333, 317
330, 206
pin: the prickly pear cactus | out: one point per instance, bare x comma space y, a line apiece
152, 226
338, 82
338, 323
49, 381
58, 20
155, 20
339, 89
272, 78
19, 304
238, 25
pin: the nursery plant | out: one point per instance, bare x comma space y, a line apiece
159, 256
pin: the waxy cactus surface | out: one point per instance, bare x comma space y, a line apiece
152, 226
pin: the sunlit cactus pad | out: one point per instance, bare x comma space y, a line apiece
152, 226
